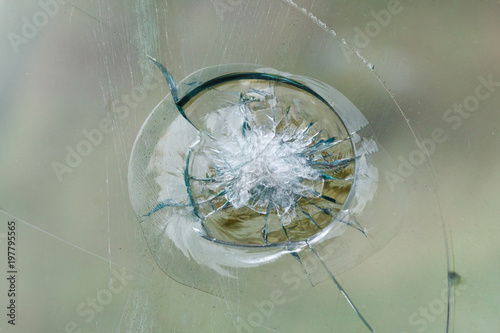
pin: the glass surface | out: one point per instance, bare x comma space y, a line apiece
77, 87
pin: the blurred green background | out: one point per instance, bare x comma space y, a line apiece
77, 86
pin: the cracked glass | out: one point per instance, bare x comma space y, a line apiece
249, 166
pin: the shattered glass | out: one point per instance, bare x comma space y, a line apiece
254, 164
